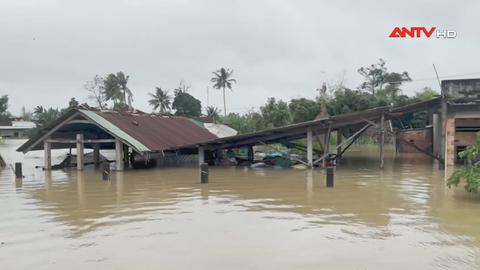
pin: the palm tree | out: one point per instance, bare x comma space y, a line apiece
222, 80
161, 100
213, 112
115, 89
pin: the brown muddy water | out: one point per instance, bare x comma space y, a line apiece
400, 218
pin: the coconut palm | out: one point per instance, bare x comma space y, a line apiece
213, 112
222, 80
115, 89
161, 100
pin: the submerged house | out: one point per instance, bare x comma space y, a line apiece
15, 128
137, 134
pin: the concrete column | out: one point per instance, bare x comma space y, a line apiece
80, 156
47, 155
309, 147
201, 155
96, 153
382, 140
435, 134
450, 141
442, 148
118, 155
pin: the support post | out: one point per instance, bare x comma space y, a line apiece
118, 155
204, 173
382, 139
326, 143
442, 148
18, 170
96, 154
201, 155
330, 177
450, 153
80, 156
105, 171
339, 143
47, 155
310, 147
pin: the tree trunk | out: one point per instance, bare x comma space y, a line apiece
224, 104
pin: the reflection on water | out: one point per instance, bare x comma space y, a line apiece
400, 217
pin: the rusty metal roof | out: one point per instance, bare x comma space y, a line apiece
158, 132
142, 131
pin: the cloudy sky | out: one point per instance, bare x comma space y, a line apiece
285, 49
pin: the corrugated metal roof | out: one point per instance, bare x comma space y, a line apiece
115, 130
144, 132
158, 132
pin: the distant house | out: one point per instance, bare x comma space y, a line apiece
15, 128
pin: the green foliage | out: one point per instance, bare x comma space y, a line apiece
425, 94
186, 105
4, 106
73, 103
115, 89
275, 113
471, 173
247, 123
377, 77
346, 101
43, 117
161, 100
303, 109
213, 112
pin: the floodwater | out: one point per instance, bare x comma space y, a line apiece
402, 217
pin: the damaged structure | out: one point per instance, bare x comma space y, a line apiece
454, 120
131, 134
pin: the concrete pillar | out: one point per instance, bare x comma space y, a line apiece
442, 148
382, 140
80, 156
450, 141
201, 155
118, 155
435, 134
47, 155
96, 154
309, 147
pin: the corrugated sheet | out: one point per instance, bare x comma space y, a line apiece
115, 130
158, 132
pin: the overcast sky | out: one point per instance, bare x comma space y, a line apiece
285, 49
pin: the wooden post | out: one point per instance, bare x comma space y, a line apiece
106, 171
118, 155
47, 155
330, 176
96, 154
435, 134
326, 144
382, 139
18, 170
309, 147
204, 173
339, 142
80, 156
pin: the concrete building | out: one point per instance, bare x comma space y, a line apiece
460, 111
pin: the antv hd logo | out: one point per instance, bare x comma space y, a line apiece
421, 32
